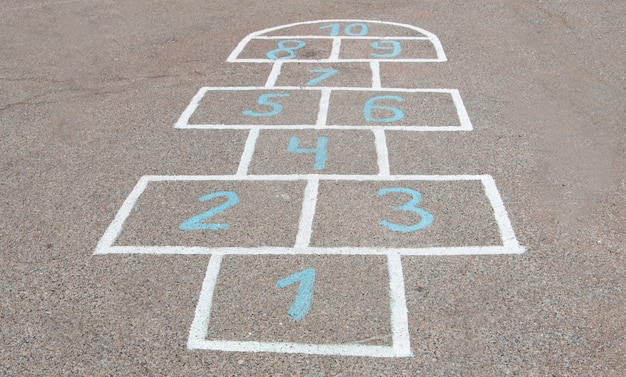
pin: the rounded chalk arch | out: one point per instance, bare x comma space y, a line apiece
290, 40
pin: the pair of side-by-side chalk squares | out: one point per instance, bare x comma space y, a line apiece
372, 106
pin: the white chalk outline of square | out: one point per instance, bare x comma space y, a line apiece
510, 244
464, 121
334, 55
401, 343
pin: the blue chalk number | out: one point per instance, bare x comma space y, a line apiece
369, 107
302, 303
283, 52
326, 73
348, 30
195, 223
410, 206
320, 151
264, 101
393, 46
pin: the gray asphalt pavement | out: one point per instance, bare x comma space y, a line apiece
377, 189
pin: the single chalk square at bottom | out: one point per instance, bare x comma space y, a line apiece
244, 307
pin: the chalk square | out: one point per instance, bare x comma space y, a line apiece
255, 106
420, 110
242, 308
338, 75
348, 305
265, 214
346, 152
351, 214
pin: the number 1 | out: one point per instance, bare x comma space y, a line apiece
302, 303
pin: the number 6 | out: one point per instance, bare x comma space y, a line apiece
369, 106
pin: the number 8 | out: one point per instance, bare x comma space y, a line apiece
290, 51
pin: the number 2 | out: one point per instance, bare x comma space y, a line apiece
195, 223
410, 206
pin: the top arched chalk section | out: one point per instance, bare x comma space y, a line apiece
329, 41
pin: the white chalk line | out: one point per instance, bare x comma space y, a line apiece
375, 68
459, 128
200, 325
204, 89
114, 229
248, 152
311, 36
298, 348
183, 121
334, 53
382, 153
340, 60
347, 250
322, 115
274, 73
399, 311
502, 218
305, 227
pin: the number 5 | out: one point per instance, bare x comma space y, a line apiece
263, 100
410, 206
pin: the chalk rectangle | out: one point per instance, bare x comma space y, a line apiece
250, 107
388, 48
409, 110
242, 214
286, 49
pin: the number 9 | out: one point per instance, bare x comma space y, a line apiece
394, 46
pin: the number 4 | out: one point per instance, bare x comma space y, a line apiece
320, 152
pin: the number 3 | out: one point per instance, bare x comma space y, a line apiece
410, 206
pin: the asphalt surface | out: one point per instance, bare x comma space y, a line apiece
91, 92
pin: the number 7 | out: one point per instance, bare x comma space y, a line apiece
326, 74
